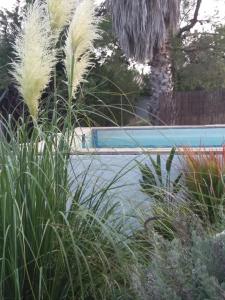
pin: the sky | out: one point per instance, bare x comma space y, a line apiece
6, 3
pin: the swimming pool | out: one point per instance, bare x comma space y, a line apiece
154, 137
111, 152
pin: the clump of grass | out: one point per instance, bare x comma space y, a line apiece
204, 178
46, 250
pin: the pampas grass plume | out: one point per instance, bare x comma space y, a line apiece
34, 58
82, 33
60, 13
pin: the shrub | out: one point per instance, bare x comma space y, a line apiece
187, 261
191, 271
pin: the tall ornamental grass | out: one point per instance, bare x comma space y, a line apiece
60, 13
46, 250
204, 178
59, 239
35, 60
82, 32
37, 50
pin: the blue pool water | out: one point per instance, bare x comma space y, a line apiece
158, 137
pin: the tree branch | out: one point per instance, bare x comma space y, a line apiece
193, 21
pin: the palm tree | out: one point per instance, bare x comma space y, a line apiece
144, 29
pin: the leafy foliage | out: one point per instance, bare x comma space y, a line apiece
187, 271
199, 61
111, 92
186, 255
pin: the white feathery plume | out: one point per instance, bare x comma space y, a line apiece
34, 60
82, 33
60, 13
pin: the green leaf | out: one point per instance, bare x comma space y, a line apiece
176, 183
170, 160
157, 167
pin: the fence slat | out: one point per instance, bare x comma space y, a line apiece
196, 108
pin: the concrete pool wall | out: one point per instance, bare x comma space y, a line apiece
122, 171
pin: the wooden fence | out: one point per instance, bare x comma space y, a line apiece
196, 108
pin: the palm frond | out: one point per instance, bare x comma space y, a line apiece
143, 26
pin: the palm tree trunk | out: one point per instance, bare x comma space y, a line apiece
162, 87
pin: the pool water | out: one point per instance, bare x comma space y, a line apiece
158, 137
